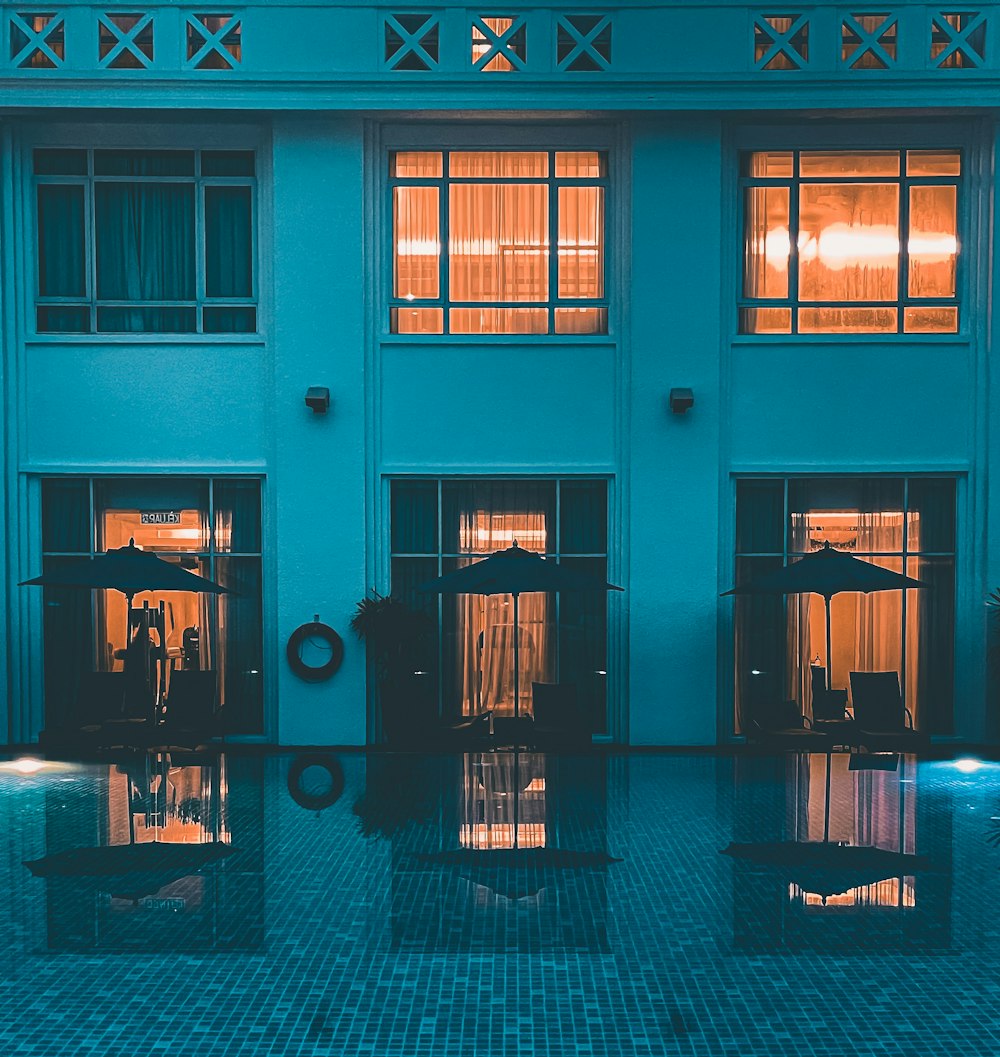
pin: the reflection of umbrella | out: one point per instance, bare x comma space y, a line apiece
515, 873
829, 869
132, 870
126, 569
515, 571
827, 572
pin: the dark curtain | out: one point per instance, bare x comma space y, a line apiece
242, 650
62, 267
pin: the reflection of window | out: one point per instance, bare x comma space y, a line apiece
472, 234
155, 241
907, 525
437, 527
502, 792
208, 526
850, 242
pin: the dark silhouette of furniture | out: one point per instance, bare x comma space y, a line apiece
884, 723
559, 723
781, 725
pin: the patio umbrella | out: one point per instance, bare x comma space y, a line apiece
827, 572
829, 869
515, 571
130, 871
126, 569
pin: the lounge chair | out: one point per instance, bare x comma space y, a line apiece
781, 725
559, 722
884, 723
830, 716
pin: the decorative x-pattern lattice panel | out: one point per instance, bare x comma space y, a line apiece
412, 41
125, 42
37, 39
868, 41
214, 41
958, 39
499, 44
583, 43
781, 42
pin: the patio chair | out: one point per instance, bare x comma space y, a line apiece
830, 716
559, 722
884, 723
781, 725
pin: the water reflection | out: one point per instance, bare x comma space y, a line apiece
827, 857
153, 857
497, 851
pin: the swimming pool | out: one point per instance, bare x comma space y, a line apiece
656, 903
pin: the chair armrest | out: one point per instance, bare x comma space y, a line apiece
908, 720
807, 723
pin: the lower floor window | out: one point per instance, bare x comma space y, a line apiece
439, 526
903, 524
208, 526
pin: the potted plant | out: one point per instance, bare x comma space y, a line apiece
398, 640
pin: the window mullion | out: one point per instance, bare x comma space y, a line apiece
200, 248
793, 244
553, 232
444, 238
904, 242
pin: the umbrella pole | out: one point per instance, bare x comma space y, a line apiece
829, 650
517, 792
517, 661
826, 813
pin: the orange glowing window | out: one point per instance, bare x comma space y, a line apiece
850, 242
473, 238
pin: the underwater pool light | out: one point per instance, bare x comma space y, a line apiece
968, 765
25, 765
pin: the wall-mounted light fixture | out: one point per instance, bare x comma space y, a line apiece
680, 400
318, 399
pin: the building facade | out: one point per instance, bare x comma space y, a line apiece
500, 239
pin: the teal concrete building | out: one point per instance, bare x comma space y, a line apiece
671, 293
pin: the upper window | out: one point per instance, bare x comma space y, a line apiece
850, 242
145, 241
472, 234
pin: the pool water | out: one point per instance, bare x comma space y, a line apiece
653, 904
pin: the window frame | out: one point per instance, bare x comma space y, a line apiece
441, 556
903, 300
604, 137
90, 300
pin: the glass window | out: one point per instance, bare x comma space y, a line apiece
850, 242
145, 241
208, 526
472, 238
562, 638
904, 524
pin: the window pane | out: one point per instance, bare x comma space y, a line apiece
847, 320
765, 321
228, 242
68, 644
59, 162
144, 162
580, 163
517, 164
848, 242
498, 242
413, 519
760, 517
930, 645
416, 320
417, 248
147, 320
61, 253
770, 164
416, 163
583, 643
483, 516
237, 516
933, 162
581, 320
849, 163
145, 241
235, 319
239, 645
760, 643
583, 517
498, 320
931, 514
66, 515
227, 163
766, 242
581, 242
933, 242
941, 319
63, 319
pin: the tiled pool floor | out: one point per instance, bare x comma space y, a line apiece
621, 930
